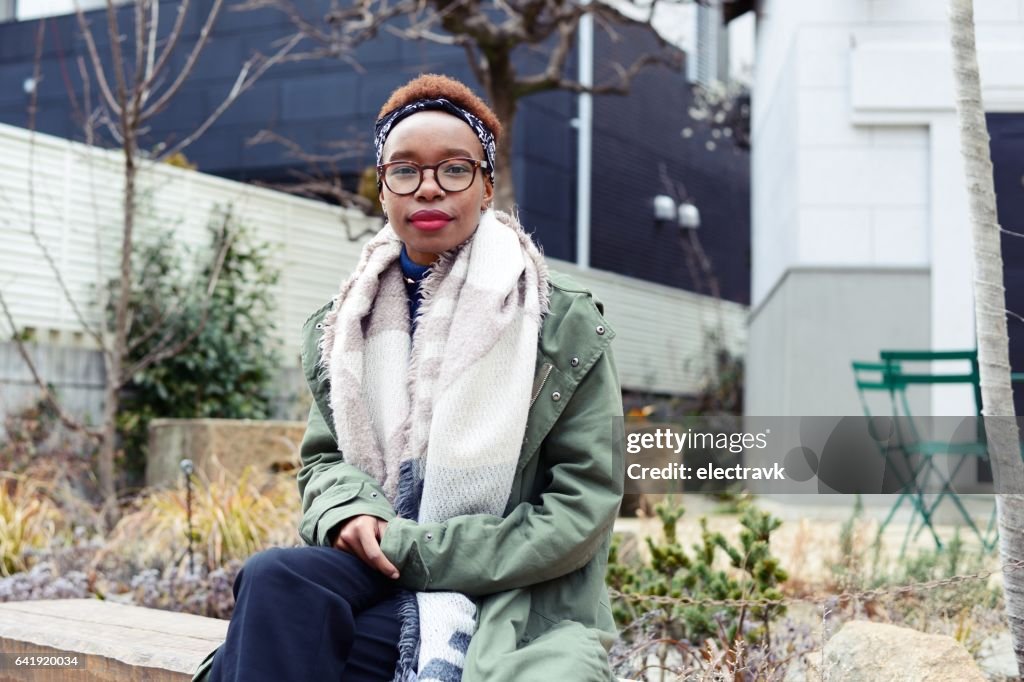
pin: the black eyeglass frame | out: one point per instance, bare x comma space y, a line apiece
382, 173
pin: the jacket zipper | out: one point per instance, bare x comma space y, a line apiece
547, 371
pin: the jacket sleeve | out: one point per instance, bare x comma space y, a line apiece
332, 490
479, 554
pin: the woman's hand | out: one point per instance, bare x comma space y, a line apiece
361, 536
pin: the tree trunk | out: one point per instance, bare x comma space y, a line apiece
501, 92
116, 358
990, 318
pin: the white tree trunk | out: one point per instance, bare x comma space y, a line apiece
990, 317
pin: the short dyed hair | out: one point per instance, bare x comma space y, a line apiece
433, 86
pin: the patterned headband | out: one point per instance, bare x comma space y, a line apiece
383, 127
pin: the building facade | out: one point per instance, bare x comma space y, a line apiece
318, 105
860, 231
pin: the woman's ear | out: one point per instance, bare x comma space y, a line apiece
488, 196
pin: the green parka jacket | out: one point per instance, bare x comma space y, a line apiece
537, 572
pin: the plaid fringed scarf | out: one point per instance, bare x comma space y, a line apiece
438, 418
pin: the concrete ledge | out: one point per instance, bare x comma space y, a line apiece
117, 641
220, 444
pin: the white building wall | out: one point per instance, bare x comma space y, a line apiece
856, 161
73, 197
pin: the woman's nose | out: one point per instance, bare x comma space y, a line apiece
429, 188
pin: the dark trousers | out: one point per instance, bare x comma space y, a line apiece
310, 614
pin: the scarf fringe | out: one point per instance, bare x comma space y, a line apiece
409, 638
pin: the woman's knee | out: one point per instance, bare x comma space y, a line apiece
271, 567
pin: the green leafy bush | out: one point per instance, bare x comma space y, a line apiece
226, 371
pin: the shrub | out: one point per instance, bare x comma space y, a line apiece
227, 370
754, 574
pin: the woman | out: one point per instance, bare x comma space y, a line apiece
459, 481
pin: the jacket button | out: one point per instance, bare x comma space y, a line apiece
556, 396
430, 536
600, 329
319, 325
373, 494
575, 362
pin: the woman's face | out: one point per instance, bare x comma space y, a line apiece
430, 221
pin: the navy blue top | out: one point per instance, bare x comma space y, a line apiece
414, 274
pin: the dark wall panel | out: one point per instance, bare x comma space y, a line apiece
1007, 145
638, 142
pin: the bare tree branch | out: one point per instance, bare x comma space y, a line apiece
341, 29
172, 41
244, 81
318, 187
190, 63
478, 65
105, 119
154, 23
141, 22
349, 149
626, 75
94, 57
89, 129
114, 33
159, 324
65, 418
33, 107
324, 178
552, 76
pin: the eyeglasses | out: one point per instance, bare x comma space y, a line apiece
451, 175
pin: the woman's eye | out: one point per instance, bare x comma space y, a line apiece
402, 170
457, 169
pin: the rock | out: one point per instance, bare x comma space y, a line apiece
997, 659
863, 651
804, 668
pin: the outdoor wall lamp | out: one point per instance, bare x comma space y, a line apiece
664, 208
689, 216
686, 214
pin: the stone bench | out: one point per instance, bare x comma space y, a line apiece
116, 641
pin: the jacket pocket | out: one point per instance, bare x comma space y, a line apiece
334, 496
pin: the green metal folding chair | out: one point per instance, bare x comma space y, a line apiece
956, 368
881, 395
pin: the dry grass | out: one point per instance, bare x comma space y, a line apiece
231, 519
29, 520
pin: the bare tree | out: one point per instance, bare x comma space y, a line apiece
489, 33
990, 318
144, 84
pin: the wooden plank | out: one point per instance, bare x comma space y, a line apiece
119, 641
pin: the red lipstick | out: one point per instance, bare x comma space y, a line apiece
430, 220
